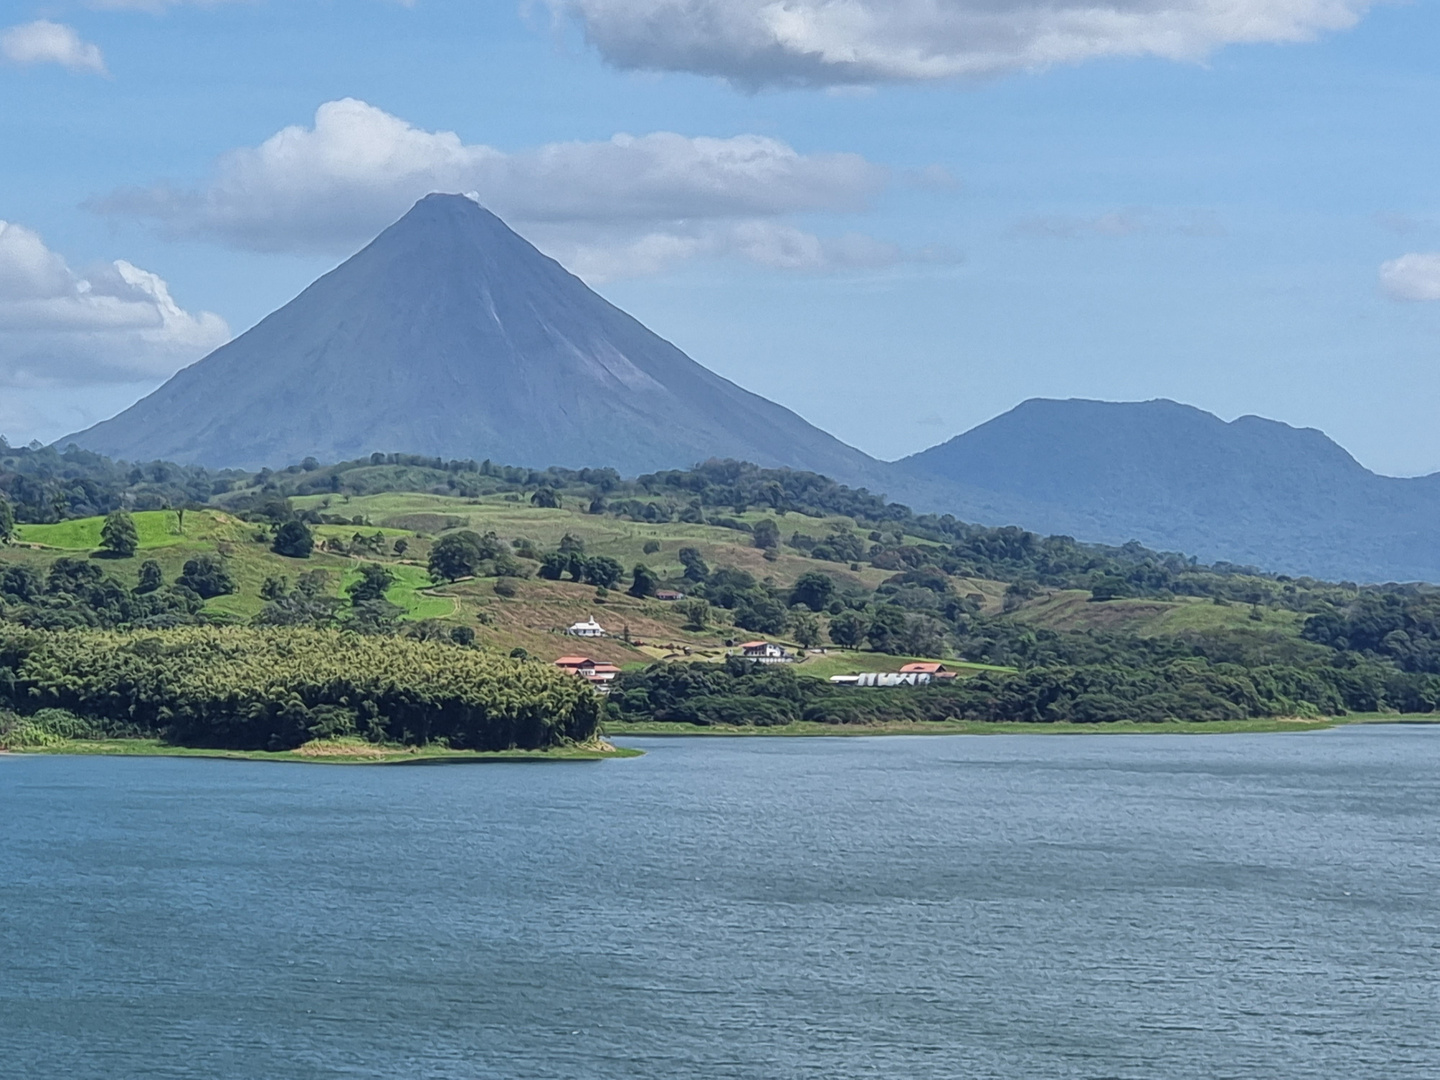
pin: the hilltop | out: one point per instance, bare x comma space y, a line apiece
1251, 491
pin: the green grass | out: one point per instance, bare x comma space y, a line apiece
157, 528
837, 662
406, 592
622, 540
365, 755
1072, 609
1204, 615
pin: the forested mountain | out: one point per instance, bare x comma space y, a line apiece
452, 335
1177, 478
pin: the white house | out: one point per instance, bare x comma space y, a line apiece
765, 652
588, 628
883, 678
596, 672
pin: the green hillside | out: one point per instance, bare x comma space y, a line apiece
479, 556
534, 617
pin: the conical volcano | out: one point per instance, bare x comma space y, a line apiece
451, 335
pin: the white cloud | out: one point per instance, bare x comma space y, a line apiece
836, 42
115, 324
45, 42
1412, 277
630, 204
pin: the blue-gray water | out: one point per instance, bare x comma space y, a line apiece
1029, 906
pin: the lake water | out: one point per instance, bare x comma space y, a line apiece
1012, 906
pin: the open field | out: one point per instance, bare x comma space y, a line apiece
853, 662
156, 528
1072, 609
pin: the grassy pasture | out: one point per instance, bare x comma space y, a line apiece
1072, 609
851, 662
157, 528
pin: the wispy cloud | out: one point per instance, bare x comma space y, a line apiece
629, 204
45, 42
1412, 277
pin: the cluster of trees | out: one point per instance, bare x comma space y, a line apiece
267, 689
79, 593
1193, 688
1402, 626
570, 559
469, 554
43, 485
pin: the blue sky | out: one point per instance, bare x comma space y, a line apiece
897, 217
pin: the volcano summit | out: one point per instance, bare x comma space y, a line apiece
451, 335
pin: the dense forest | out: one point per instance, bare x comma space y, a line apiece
254, 689
1359, 648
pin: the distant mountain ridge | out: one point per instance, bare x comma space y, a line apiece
451, 335
1177, 478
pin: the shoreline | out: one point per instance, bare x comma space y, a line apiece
327, 755
366, 754
814, 729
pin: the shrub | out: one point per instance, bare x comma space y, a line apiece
294, 540
207, 576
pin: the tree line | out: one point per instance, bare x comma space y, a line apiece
268, 689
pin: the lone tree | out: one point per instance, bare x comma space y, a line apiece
546, 499
848, 629
207, 575
455, 556
371, 585
696, 612
293, 540
814, 590
806, 629
603, 571
7, 522
644, 581
695, 567
767, 534
151, 577
118, 535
